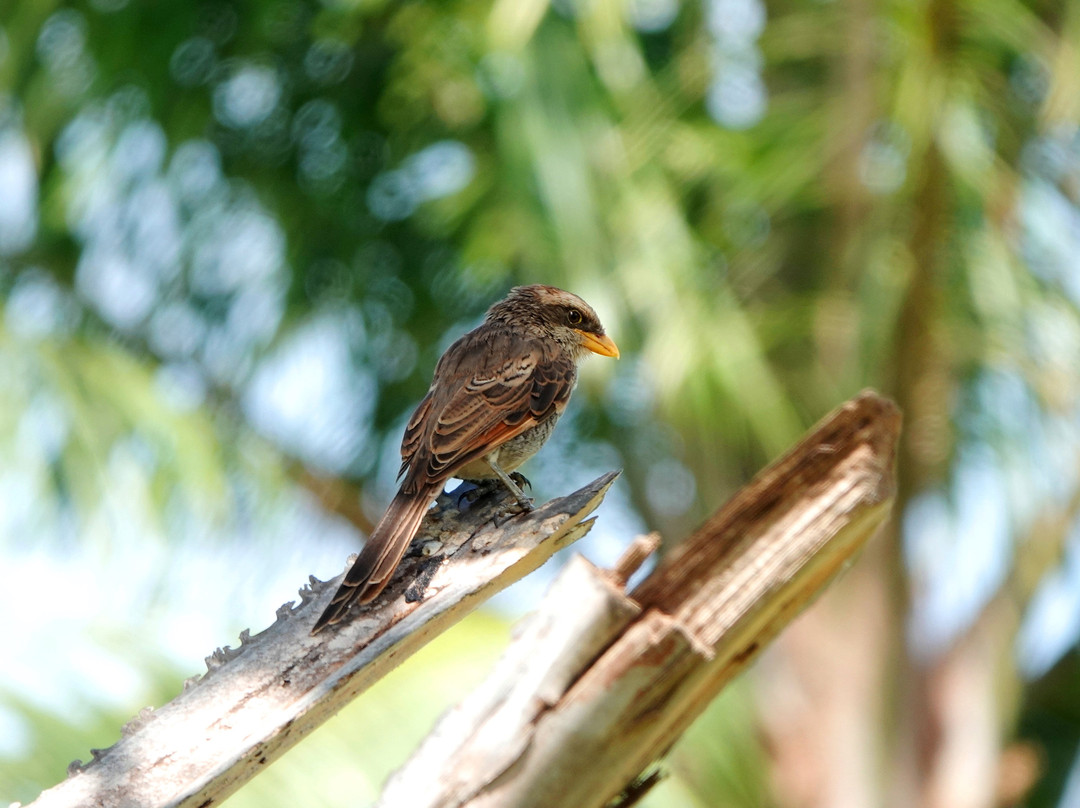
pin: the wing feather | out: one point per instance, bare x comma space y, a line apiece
479, 400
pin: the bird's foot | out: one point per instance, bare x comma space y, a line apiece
524, 504
518, 507
520, 479
469, 492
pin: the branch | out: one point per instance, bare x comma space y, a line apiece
258, 700
599, 685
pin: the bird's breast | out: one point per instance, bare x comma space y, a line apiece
513, 453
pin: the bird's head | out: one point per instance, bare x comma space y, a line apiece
558, 314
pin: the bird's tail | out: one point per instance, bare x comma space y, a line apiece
383, 551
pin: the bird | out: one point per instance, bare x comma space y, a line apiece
495, 397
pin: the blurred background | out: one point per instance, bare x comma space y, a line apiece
235, 237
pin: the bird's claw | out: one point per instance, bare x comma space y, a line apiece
518, 507
521, 480
467, 498
468, 493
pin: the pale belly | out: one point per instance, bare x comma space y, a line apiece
512, 453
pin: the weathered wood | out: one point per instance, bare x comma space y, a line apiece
581, 615
260, 699
633, 671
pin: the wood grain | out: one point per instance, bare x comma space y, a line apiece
258, 700
688, 629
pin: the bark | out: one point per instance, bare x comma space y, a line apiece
258, 700
600, 684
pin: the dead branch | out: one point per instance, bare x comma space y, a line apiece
600, 684
259, 699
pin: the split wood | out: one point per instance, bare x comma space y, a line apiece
600, 684
259, 699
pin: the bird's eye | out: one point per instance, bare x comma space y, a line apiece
574, 316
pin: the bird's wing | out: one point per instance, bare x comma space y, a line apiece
488, 388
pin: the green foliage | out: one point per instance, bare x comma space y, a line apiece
233, 205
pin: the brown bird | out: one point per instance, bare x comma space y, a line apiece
495, 397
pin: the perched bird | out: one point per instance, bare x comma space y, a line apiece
494, 399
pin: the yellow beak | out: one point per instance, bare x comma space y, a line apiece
599, 343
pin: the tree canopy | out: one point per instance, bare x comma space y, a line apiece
235, 238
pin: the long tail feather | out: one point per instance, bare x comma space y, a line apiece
382, 553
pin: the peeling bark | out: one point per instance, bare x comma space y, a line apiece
259, 699
597, 686
614, 679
